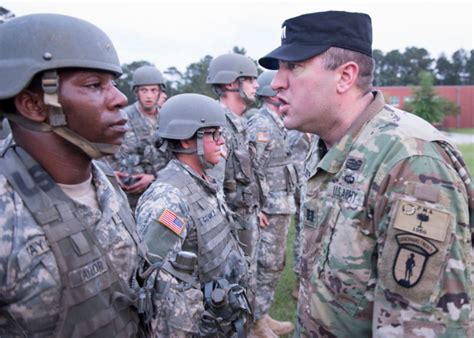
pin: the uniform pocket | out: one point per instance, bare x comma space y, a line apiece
345, 263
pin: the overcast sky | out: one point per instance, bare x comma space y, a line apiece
177, 33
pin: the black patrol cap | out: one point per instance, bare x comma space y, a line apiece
308, 35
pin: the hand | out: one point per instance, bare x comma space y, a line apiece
142, 182
263, 220
120, 175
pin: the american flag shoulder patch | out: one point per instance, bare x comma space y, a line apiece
171, 221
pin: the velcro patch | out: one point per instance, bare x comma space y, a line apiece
411, 258
171, 221
419, 219
263, 137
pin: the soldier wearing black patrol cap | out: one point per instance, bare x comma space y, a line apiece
389, 201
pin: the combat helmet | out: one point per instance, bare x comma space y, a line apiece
38, 43
264, 83
227, 68
147, 75
185, 115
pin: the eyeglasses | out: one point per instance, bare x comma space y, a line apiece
216, 134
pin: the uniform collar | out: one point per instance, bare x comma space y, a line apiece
332, 161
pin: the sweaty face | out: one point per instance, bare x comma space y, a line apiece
92, 105
249, 87
212, 141
148, 97
306, 91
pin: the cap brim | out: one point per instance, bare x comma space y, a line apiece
290, 52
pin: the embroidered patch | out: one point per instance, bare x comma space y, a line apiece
87, 272
310, 215
34, 248
208, 217
419, 219
263, 137
349, 179
410, 261
354, 163
344, 193
171, 221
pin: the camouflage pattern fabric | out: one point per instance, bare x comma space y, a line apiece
179, 309
139, 153
387, 233
268, 137
165, 239
298, 147
237, 177
31, 285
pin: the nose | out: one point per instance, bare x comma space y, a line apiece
279, 81
117, 98
221, 140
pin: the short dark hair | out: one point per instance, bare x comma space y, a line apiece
334, 57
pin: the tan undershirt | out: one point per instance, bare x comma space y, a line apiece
83, 193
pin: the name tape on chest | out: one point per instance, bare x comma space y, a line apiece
171, 221
419, 219
347, 194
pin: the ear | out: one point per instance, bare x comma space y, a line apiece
31, 105
232, 85
186, 144
348, 74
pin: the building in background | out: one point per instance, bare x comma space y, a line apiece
463, 96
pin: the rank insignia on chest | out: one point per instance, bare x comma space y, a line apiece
171, 221
421, 220
411, 258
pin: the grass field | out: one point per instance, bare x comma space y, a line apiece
284, 305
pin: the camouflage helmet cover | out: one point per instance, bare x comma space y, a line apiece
264, 83
147, 75
38, 42
226, 68
183, 115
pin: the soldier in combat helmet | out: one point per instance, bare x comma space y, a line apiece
140, 158
184, 210
233, 79
278, 178
69, 249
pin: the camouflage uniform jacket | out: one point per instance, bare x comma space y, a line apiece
236, 172
277, 173
181, 211
32, 288
139, 153
387, 238
298, 146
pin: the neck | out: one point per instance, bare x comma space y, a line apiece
234, 102
345, 116
151, 112
192, 161
62, 160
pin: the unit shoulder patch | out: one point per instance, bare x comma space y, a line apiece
411, 258
171, 221
421, 220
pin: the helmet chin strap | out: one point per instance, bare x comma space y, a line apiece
242, 94
57, 121
200, 151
